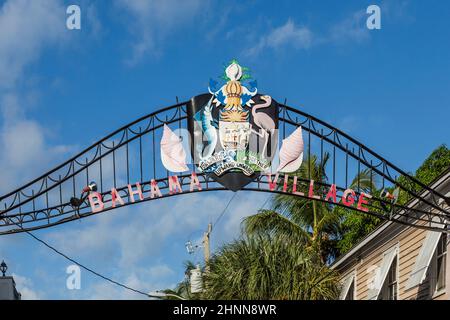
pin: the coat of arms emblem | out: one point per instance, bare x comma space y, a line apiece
234, 129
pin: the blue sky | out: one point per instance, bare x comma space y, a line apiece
61, 90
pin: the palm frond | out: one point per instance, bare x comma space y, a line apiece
268, 267
271, 222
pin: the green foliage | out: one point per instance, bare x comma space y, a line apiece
268, 267
308, 222
316, 225
183, 289
284, 250
437, 163
355, 226
433, 166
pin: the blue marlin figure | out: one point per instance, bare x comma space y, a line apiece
209, 128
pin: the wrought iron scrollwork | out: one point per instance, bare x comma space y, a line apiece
130, 154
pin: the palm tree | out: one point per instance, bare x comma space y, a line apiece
283, 251
314, 224
183, 289
267, 266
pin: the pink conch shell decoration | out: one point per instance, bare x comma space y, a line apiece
291, 152
173, 155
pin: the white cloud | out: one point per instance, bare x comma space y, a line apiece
352, 28
160, 271
153, 21
134, 240
26, 288
141, 281
26, 28
397, 11
138, 231
21, 141
93, 21
26, 151
289, 34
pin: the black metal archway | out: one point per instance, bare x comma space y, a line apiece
130, 155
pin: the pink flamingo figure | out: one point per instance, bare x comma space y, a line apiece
263, 121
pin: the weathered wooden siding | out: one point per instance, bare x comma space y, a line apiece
369, 254
409, 241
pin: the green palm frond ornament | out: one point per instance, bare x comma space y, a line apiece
245, 71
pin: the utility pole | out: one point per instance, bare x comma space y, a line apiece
206, 251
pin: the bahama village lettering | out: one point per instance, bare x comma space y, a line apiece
348, 197
135, 193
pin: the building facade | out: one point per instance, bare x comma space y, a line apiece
399, 262
8, 289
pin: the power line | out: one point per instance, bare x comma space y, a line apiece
101, 275
229, 202
93, 271
81, 265
224, 210
195, 231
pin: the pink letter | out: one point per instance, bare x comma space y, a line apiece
138, 192
195, 182
362, 201
272, 184
311, 191
286, 178
174, 185
154, 189
294, 188
97, 205
348, 198
115, 196
331, 193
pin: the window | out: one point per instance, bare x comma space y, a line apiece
441, 262
389, 290
438, 266
348, 287
392, 281
351, 292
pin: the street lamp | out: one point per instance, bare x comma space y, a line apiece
3, 267
162, 294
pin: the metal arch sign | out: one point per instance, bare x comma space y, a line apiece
229, 141
233, 134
